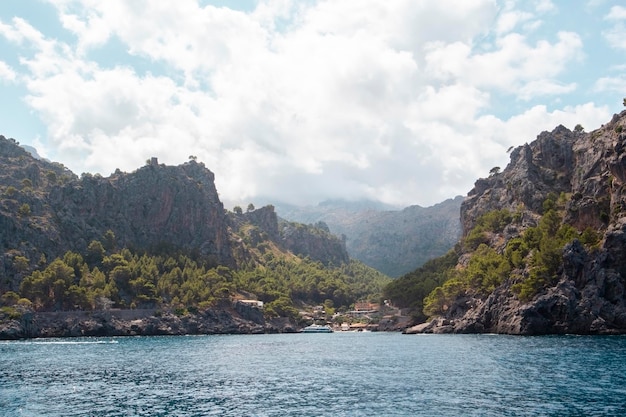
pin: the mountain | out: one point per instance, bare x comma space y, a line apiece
543, 249
46, 210
157, 237
390, 240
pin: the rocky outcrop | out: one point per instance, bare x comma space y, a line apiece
588, 295
543, 167
317, 243
46, 210
156, 206
137, 323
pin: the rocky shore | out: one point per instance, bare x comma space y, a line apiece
139, 323
588, 299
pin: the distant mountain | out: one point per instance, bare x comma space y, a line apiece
390, 240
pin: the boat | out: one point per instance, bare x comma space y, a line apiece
317, 328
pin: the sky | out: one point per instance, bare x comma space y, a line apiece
400, 101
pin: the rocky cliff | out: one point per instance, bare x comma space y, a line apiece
46, 210
317, 243
586, 293
157, 205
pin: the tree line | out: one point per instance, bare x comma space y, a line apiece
104, 277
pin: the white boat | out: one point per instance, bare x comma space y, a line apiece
317, 328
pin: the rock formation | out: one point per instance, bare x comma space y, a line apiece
154, 206
46, 210
588, 293
225, 319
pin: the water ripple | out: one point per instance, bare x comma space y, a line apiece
315, 375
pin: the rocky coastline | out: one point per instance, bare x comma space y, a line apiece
151, 322
586, 291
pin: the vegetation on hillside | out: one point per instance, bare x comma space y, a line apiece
101, 279
530, 262
410, 290
51, 263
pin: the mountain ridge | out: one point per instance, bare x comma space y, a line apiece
392, 241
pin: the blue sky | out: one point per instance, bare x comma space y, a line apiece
401, 101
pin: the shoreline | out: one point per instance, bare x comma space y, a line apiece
148, 322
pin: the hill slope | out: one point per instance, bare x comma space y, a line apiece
157, 237
544, 242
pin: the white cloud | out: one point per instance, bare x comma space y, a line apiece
7, 73
300, 101
538, 88
513, 64
21, 32
544, 6
616, 13
611, 84
509, 20
616, 34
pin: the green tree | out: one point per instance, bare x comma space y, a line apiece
10, 191
95, 252
24, 210
47, 289
9, 298
109, 240
21, 263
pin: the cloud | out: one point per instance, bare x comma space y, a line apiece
7, 73
616, 13
509, 20
616, 35
299, 101
544, 6
509, 67
611, 84
542, 87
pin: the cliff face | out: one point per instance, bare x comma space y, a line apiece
545, 166
176, 207
302, 240
316, 243
45, 210
588, 293
28, 226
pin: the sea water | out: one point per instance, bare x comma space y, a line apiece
338, 374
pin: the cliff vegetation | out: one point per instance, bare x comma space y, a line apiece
543, 244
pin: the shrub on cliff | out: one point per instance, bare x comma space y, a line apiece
533, 259
491, 222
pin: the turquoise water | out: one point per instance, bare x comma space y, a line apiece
340, 374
